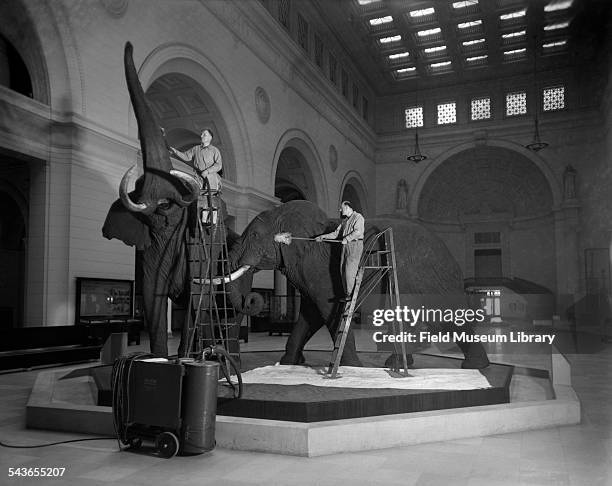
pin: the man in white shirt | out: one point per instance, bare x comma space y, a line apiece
350, 231
206, 159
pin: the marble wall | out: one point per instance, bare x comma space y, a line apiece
81, 126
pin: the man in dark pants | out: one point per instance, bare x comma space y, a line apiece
350, 231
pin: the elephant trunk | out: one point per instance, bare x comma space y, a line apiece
155, 155
159, 183
241, 297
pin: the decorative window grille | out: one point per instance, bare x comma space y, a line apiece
553, 99
365, 108
318, 47
481, 109
345, 84
283, 13
333, 69
447, 113
516, 103
355, 96
414, 117
302, 32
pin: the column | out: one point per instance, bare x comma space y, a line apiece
567, 257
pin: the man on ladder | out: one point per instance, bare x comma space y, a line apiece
209, 302
206, 160
350, 231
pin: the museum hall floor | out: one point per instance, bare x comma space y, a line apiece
571, 455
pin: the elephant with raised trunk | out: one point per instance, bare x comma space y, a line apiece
425, 268
155, 218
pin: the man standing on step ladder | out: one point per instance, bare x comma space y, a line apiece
350, 230
206, 160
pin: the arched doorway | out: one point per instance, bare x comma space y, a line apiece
297, 164
184, 108
25, 61
494, 209
13, 230
294, 178
353, 191
13, 71
293, 181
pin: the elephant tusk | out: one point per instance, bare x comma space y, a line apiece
195, 186
123, 192
218, 280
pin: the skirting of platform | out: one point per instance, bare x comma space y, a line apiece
369, 433
318, 438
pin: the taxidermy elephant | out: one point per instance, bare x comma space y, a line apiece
155, 219
425, 267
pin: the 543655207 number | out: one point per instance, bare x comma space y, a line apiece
36, 471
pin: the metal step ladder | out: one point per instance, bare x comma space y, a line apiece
211, 319
377, 263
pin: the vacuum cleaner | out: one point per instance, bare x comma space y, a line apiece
172, 403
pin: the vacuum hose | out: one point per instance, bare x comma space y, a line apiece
220, 350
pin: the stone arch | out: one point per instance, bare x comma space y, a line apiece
294, 179
288, 191
184, 108
17, 26
550, 179
193, 63
353, 187
299, 144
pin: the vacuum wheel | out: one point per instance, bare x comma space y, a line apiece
167, 444
135, 443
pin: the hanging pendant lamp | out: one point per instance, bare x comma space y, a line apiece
536, 144
417, 156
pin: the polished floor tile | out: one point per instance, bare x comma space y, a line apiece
579, 455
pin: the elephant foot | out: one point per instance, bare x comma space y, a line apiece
475, 363
289, 360
395, 361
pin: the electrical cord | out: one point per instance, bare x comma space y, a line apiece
120, 378
120, 381
120, 396
14, 446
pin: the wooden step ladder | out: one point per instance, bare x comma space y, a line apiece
377, 262
211, 319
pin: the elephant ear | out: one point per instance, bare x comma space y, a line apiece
126, 226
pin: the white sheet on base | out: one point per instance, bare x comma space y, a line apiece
357, 377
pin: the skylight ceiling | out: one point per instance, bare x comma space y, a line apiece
394, 42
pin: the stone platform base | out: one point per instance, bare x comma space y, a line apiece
66, 400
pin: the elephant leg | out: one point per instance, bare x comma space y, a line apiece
155, 316
349, 355
301, 333
396, 362
182, 349
155, 287
475, 355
